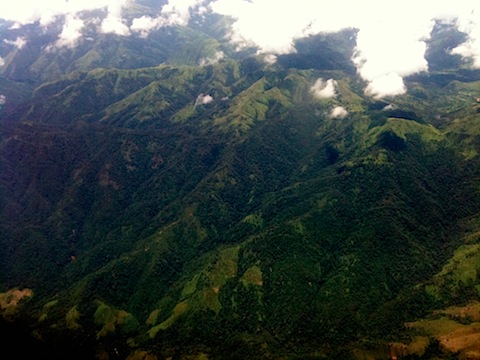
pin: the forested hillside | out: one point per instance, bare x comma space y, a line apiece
159, 201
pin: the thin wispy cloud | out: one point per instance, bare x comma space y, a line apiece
213, 59
18, 43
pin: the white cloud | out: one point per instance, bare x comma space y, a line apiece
270, 59
387, 52
203, 99
173, 13
2, 61
19, 42
143, 25
114, 25
324, 89
71, 32
114, 22
390, 84
177, 12
389, 107
270, 25
45, 11
23, 12
338, 112
469, 50
3, 99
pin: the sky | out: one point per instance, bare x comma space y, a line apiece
391, 39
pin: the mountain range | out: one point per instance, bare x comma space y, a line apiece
169, 197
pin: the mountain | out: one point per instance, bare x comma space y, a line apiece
170, 198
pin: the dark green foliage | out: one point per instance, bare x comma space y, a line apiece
391, 141
332, 154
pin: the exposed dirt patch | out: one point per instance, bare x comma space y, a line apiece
456, 328
10, 300
470, 312
464, 339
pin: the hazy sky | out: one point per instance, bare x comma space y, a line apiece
390, 42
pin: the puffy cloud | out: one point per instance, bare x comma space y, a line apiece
390, 84
177, 12
45, 11
173, 13
270, 25
3, 99
2, 61
203, 99
324, 89
143, 25
114, 25
71, 31
338, 112
386, 52
23, 12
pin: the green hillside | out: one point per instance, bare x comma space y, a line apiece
187, 210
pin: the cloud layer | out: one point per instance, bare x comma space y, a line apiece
391, 40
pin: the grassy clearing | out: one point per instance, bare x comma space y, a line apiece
109, 320
404, 128
10, 300
202, 290
453, 336
177, 312
72, 317
253, 276
470, 312
462, 267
